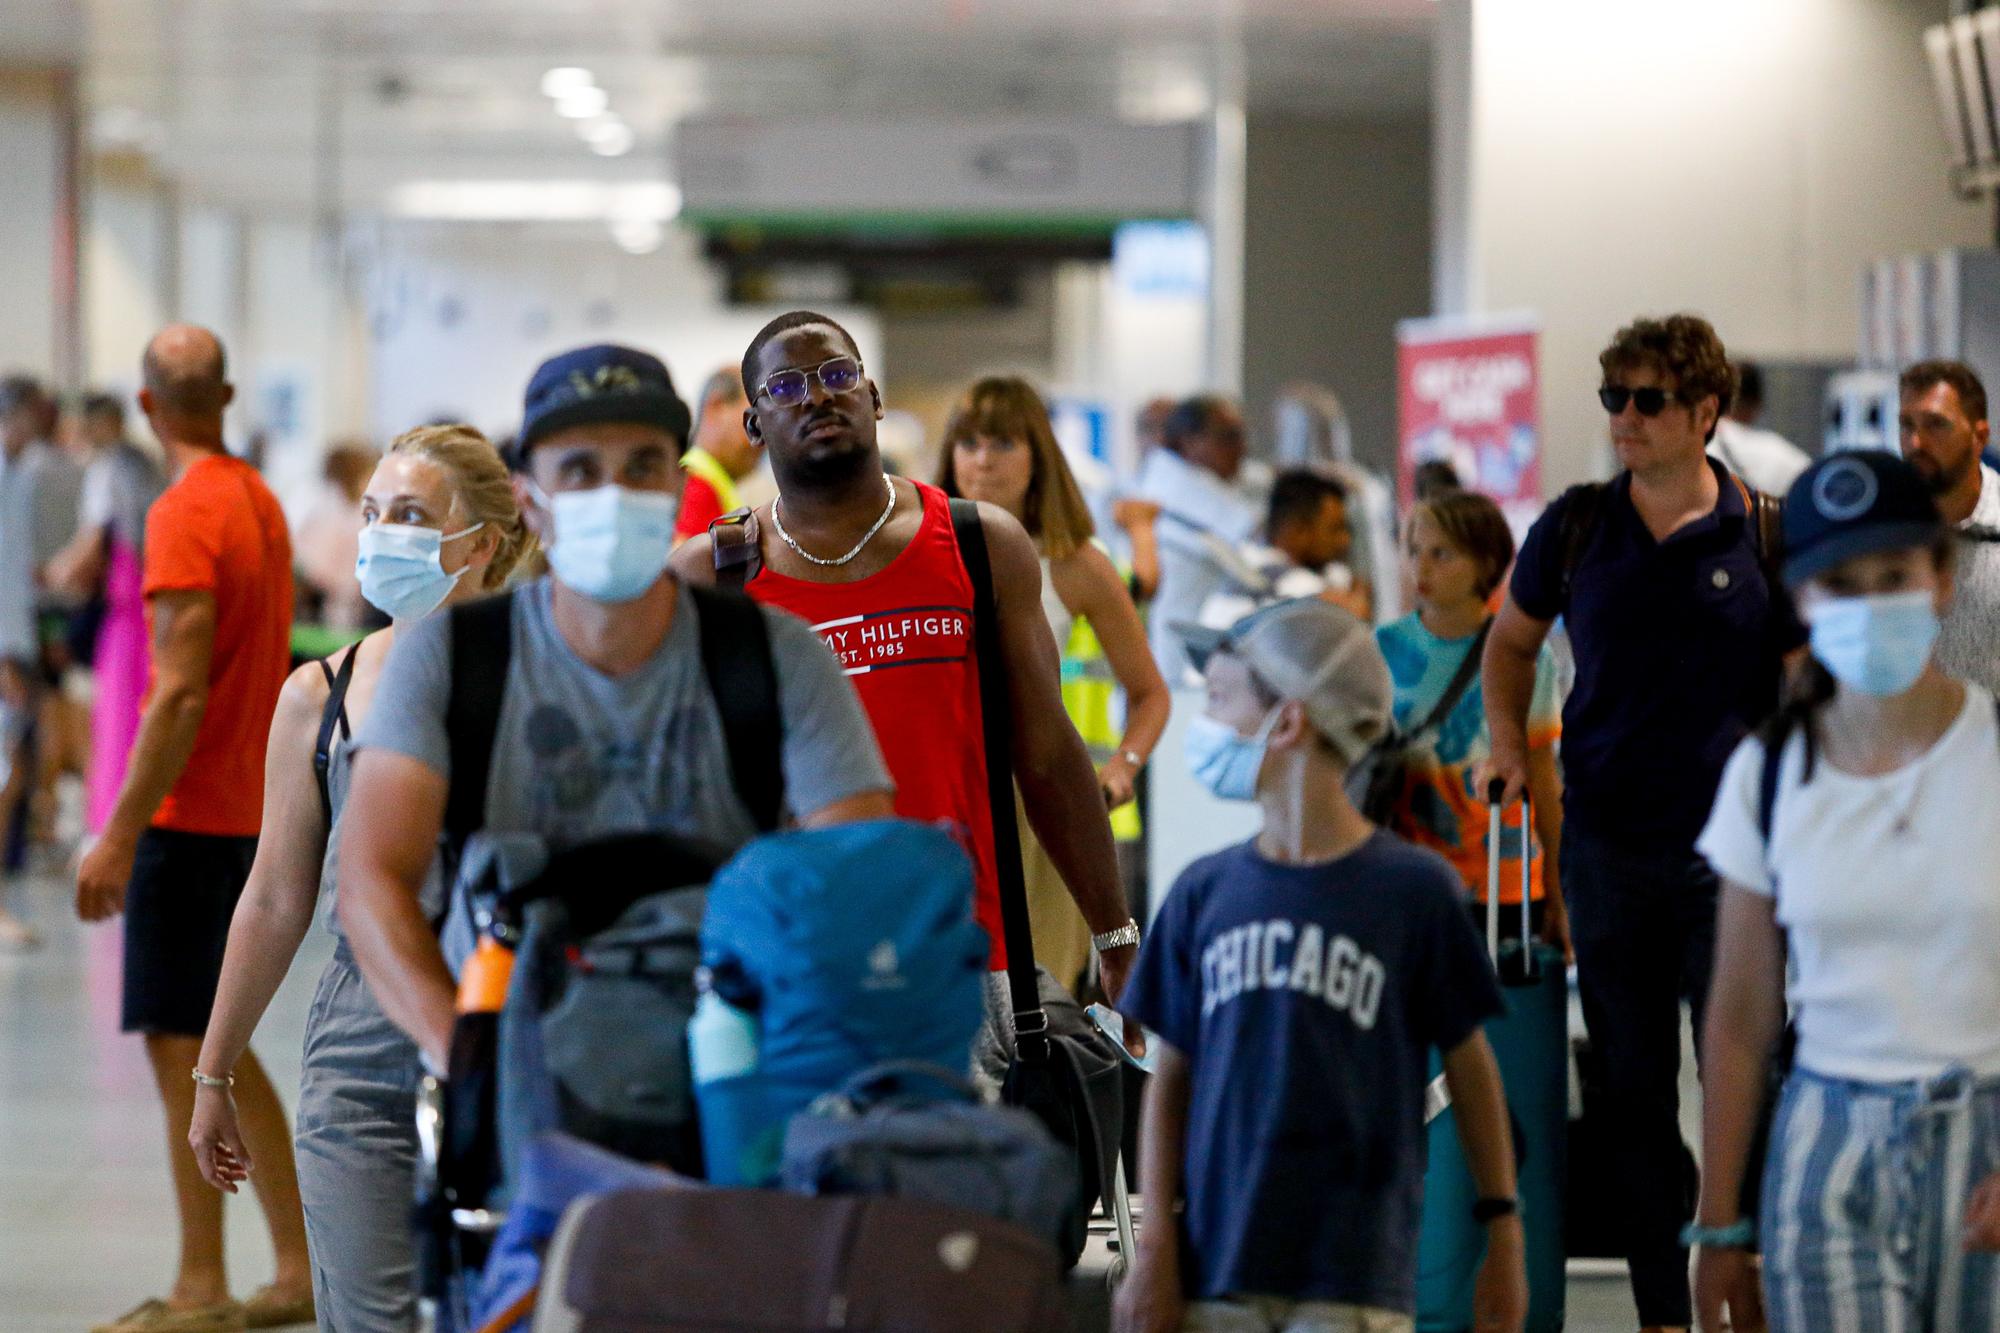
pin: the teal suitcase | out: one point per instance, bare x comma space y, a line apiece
1531, 1043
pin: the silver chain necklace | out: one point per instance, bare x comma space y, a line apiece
778, 521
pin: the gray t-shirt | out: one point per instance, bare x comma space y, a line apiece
581, 755
119, 486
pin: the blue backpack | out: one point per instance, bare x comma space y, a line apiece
850, 946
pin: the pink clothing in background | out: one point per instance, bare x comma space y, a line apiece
120, 670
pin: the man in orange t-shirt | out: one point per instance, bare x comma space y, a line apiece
177, 848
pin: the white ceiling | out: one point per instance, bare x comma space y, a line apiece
240, 99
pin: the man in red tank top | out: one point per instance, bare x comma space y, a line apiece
872, 564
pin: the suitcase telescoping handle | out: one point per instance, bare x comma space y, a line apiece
1496, 791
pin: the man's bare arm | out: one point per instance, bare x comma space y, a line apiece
1051, 765
693, 561
388, 834
1507, 681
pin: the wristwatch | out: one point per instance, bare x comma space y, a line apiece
1134, 758
1125, 936
1489, 1210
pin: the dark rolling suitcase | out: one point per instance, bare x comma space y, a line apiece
1530, 1042
757, 1261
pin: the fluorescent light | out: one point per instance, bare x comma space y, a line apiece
535, 200
614, 139
566, 79
637, 236
582, 103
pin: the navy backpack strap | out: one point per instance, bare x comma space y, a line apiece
736, 656
334, 714
996, 718
1582, 515
482, 641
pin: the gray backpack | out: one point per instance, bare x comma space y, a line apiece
910, 1130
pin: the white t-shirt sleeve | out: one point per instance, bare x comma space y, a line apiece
1732, 842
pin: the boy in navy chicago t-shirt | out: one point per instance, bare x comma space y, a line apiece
1297, 984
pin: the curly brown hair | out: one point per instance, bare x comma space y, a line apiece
1683, 348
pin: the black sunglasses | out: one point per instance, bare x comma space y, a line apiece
1650, 402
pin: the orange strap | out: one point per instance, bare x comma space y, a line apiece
513, 1314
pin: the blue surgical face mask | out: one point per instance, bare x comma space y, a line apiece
1877, 645
401, 568
1224, 761
611, 544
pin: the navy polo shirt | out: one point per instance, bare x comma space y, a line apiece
1678, 647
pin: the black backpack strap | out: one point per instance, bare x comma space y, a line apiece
996, 714
482, 642
736, 655
1767, 785
1766, 515
334, 714
1461, 681
1583, 513
1770, 516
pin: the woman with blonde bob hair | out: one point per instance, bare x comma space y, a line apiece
439, 527
999, 447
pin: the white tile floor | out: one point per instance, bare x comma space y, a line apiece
86, 1223
86, 1229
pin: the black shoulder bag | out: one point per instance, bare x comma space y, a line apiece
1069, 1077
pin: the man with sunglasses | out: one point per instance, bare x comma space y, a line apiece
1680, 634
874, 564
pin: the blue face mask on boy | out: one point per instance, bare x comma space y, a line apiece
1878, 645
1224, 761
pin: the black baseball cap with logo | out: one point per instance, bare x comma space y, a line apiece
1856, 503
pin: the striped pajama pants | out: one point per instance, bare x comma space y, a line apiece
1864, 1202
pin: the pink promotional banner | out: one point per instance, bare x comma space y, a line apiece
1469, 395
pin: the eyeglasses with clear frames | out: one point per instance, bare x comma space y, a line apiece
838, 375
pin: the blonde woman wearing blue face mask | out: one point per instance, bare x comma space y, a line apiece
440, 526
1856, 838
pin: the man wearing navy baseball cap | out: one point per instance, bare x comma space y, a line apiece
606, 723
602, 385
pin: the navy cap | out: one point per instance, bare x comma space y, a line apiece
601, 383
1856, 503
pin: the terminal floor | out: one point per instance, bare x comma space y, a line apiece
85, 1226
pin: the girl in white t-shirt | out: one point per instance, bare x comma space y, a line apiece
1868, 852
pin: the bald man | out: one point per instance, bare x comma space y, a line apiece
177, 847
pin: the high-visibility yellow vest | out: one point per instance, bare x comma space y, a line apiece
1089, 693
704, 464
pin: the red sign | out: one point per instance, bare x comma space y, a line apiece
1469, 395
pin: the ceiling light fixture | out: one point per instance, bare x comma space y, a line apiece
535, 201
566, 79
610, 138
637, 236
582, 103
